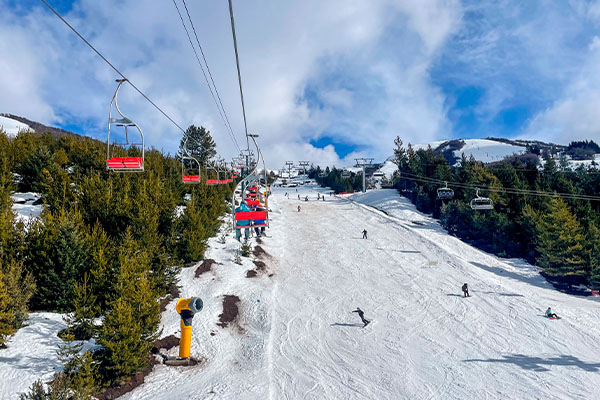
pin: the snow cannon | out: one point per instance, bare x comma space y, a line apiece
186, 308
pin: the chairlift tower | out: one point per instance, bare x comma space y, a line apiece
289, 165
303, 164
363, 162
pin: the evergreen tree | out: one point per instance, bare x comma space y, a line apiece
199, 144
560, 242
6, 316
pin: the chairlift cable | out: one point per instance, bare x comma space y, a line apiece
529, 192
111, 65
237, 62
204, 74
210, 75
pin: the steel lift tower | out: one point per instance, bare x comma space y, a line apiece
363, 162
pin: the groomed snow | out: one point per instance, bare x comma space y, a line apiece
30, 354
13, 127
297, 337
388, 169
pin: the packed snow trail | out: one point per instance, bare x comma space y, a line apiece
299, 339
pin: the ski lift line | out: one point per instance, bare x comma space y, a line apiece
506, 190
111, 65
237, 62
221, 112
210, 74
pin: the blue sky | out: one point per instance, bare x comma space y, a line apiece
324, 80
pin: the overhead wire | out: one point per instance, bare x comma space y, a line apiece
237, 62
111, 65
228, 128
210, 74
529, 192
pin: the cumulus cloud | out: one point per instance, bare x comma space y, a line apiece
375, 50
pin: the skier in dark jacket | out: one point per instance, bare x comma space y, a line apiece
364, 234
465, 290
361, 314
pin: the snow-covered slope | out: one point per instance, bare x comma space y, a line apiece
484, 150
31, 354
13, 127
297, 337
388, 168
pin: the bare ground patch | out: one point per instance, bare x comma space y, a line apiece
230, 310
134, 381
260, 252
206, 266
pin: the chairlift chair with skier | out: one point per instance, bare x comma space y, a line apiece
123, 164
445, 193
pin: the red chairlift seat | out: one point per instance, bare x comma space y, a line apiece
252, 203
212, 181
125, 164
191, 178
252, 216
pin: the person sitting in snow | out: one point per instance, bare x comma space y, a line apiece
550, 314
465, 290
361, 314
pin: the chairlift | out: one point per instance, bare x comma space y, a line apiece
481, 203
445, 193
210, 181
346, 174
123, 164
188, 174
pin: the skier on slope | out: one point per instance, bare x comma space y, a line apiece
364, 234
298, 208
361, 314
465, 290
550, 314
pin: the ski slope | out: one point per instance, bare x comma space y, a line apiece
12, 127
297, 337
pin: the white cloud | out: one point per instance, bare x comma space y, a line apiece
285, 46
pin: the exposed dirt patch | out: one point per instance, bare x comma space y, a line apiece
258, 240
259, 251
134, 381
230, 310
260, 266
205, 266
166, 343
251, 273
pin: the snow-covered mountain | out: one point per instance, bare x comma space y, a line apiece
12, 127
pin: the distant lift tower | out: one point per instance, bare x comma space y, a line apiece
303, 164
363, 162
289, 165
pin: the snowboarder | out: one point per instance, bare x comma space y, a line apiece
323, 198
550, 314
298, 197
465, 290
361, 314
306, 198
298, 208
364, 234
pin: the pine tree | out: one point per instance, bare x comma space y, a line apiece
80, 323
560, 242
6, 315
198, 143
593, 255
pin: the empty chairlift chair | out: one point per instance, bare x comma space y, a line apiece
482, 203
123, 164
445, 193
346, 174
190, 167
209, 179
